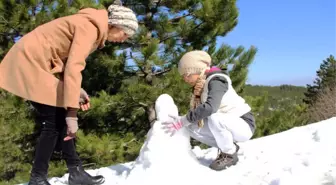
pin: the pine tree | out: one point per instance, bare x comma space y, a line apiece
16, 137
125, 80
326, 78
167, 30
18, 17
320, 97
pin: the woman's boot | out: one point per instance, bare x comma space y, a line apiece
36, 179
77, 176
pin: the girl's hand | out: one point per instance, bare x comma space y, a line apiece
175, 123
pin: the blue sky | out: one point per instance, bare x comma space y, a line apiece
292, 37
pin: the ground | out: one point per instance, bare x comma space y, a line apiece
302, 155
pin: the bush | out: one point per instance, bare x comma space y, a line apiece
325, 105
16, 137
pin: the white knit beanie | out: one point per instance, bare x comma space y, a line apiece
194, 62
123, 18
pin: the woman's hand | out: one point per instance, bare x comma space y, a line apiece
72, 127
84, 100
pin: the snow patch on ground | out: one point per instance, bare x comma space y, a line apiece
302, 155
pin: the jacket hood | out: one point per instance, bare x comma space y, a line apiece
213, 70
99, 18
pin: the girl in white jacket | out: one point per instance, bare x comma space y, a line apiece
218, 117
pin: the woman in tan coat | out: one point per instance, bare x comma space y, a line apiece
45, 67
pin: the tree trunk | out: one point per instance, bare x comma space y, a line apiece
151, 114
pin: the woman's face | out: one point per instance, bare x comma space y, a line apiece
116, 34
191, 79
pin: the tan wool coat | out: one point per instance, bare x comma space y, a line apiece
59, 47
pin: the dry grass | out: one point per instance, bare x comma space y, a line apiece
325, 105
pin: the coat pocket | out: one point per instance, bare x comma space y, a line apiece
56, 65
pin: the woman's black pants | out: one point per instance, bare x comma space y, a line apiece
53, 129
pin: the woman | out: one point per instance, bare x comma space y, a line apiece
45, 67
218, 117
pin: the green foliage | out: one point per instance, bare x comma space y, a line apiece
126, 85
276, 95
326, 78
324, 106
320, 97
277, 108
289, 116
107, 149
16, 138
19, 17
240, 59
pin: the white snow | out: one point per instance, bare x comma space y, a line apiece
302, 155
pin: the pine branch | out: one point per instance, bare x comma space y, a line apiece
17, 32
154, 10
126, 144
177, 35
138, 64
143, 104
160, 73
133, 4
136, 102
177, 19
134, 44
34, 11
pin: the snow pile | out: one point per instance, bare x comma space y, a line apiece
302, 155
166, 157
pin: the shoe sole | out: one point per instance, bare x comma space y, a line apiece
226, 167
89, 184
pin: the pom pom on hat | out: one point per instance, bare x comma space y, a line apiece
123, 18
194, 62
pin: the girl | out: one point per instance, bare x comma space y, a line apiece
45, 67
218, 117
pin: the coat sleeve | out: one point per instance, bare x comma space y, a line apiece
85, 35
